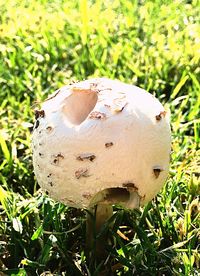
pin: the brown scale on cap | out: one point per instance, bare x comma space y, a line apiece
160, 115
81, 173
107, 105
97, 115
70, 201
86, 156
57, 158
87, 195
109, 144
49, 129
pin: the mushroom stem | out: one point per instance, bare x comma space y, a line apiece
96, 218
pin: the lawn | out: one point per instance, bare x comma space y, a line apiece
47, 44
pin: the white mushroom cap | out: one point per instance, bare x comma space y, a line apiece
101, 141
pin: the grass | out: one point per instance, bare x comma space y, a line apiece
47, 44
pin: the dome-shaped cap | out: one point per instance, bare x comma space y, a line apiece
101, 141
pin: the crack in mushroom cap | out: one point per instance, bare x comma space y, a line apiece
129, 145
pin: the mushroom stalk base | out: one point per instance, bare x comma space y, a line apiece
96, 218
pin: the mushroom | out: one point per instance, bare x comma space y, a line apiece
101, 142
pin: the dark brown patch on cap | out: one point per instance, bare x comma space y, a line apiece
108, 144
81, 173
130, 185
51, 183
86, 156
160, 115
97, 115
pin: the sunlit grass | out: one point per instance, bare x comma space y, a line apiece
46, 44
